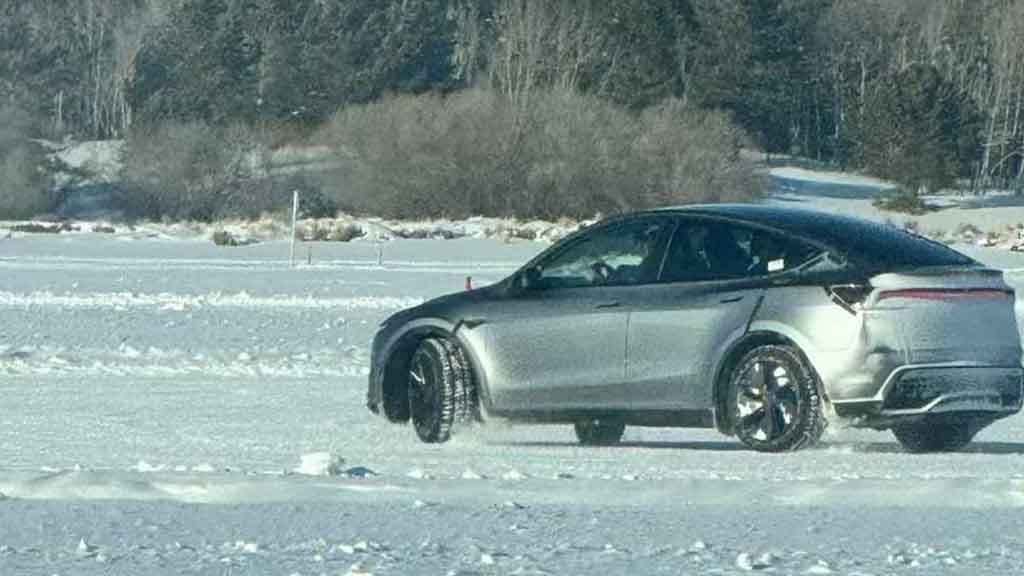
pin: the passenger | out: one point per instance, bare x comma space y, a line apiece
768, 255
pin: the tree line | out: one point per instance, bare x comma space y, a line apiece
924, 92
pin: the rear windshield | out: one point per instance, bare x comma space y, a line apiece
883, 247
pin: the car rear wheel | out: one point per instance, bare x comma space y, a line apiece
441, 391
600, 431
776, 406
937, 435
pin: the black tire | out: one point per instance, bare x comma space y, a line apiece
441, 391
774, 399
937, 434
600, 431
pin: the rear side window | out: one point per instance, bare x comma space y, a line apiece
708, 251
883, 247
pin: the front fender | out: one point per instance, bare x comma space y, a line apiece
392, 347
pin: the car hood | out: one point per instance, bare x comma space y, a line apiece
446, 306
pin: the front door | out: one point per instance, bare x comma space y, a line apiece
558, 342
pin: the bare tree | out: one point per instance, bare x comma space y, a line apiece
544, 44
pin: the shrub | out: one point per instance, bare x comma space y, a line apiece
329, 231
345, 232
194, 171
224, 238
23, 189
901, 201
472, 153
36, 228
968, 229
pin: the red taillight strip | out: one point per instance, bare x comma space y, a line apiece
946, 293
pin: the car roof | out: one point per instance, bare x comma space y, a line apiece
782, 217
876, 245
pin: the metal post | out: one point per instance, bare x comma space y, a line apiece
295, 217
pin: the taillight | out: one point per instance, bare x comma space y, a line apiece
947, 294
850, 296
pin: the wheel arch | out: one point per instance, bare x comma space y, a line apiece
394, 380
751, 340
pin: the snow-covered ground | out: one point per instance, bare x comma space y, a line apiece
996, 212
168, 406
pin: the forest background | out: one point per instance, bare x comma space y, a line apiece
524, 108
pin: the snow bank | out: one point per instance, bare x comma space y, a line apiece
321, 464
93, 162
181, 302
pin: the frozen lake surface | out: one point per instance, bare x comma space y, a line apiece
156, 396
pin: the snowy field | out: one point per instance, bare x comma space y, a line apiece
158, 395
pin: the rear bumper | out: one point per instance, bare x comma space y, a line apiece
917, 390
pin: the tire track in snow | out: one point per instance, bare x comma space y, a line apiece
180, 302
254, 265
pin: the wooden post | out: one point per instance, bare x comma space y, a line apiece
295, 217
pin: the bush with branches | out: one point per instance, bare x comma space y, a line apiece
475, 153
23, 189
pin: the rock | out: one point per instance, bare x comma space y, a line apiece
359, 472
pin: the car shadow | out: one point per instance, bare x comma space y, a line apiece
1008, 448
707, 446
993, 448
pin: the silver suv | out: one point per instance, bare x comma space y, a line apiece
762, 322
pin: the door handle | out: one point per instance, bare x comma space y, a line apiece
471, 323
732, 299
606, 305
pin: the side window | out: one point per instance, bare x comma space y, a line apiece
617, 255
771, 253
709, 251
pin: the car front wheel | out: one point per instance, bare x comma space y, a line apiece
440, 389
776, 406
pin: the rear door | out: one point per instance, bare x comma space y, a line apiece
714, 277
